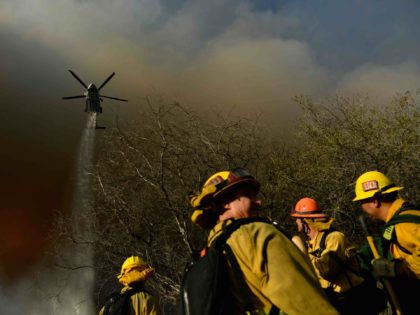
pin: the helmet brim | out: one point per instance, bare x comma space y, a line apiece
251, 181
254, 184
388, 191
312, 215
207, 220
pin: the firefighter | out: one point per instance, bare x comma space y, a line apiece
133, 298
379, 198
278, 276
335, 262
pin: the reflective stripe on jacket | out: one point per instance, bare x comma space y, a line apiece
275, 270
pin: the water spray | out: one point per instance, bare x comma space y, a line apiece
68, 290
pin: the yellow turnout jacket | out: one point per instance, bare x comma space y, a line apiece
336, 266
408, 237
275, 271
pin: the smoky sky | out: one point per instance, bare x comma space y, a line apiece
249, 55
234, 51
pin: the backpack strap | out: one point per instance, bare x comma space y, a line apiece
220, 244
389, 233
236, 224
110, 300
238, 275
120, 299
322, 246
322, 243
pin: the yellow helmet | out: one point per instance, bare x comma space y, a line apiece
134, 269
133, 261
214, 186
373, 183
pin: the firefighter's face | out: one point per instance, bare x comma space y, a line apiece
371, 207
299, 224
241, 203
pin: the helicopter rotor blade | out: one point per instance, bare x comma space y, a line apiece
78, 79
71, 97
106, 81
115, 98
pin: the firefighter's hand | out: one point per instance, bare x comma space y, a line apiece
383, 268
299, 242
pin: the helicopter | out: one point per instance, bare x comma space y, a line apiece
93, 98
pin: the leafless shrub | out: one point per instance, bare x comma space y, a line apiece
145, 169
144, 173
339, 139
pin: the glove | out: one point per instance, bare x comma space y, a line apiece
383, 268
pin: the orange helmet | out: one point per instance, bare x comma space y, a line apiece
307, 208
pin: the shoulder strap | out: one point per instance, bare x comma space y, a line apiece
111, 299
397, 217
322, 243
405, 207
343, 265
403, 218
389, 228
220, 243
118, 296
238, 275
236, 224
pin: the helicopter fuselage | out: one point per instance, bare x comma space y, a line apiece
93, 100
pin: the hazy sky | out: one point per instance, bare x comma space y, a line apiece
253, 55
